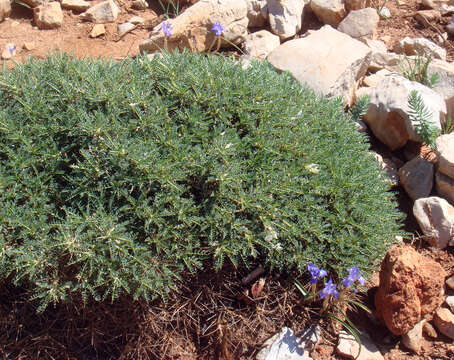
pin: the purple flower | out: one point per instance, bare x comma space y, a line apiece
218, 29
315, 273
166, 28
353, 276
11, 48
329, 289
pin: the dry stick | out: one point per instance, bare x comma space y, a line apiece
253, 275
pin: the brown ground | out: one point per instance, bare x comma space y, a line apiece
212, 317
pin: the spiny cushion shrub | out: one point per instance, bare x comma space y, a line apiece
117, 177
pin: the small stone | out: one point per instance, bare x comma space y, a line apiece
450, 302
125, 28
446, 9
361, 126
48, 15
450, 282
373, 79
348, 347
329, 12
420, 46
360, 24
9, 51
444, 322
76, 5
98, 30
355, 4
285, 345
429, 330
139, 5
104, 12
384, 12
136, 20
429, 4
29, 45
450, 28
285, 17
413, 339
435, 217
416, 176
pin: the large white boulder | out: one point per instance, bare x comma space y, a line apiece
285, 16
328, 61
192, 28
388, 113
435, 217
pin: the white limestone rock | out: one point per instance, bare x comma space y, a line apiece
360, 24
435, 217
328, 61
329, 12
285, 16
104, 12
420, 46
48, 15
388, 113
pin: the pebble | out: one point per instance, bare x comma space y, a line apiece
450, 282
125, 28
98, 30
29, 45
384, 12
429, 330
450, 302
136, 20
413, 339
444, 321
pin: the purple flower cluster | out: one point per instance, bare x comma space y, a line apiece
166, 28
218, 29
316, 273
330, 288
353, 276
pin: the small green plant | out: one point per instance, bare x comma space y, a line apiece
421, 118
416, 69
447, 126
121, 177
360, 108
171, 8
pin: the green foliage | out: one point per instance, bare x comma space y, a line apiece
360, 108
117, 177
171, 8
447, 126
416, 69
421, 117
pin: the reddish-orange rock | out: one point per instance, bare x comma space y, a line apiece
411, 286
